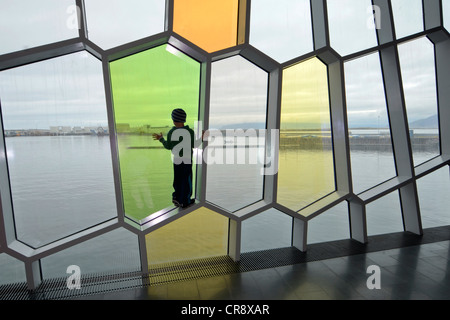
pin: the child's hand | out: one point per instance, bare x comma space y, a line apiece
157, 136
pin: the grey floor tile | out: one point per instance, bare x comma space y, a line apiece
183, 290
410, 273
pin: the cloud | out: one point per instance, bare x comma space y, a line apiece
238, 92
349, 31
68, 90
26, 24
281, 29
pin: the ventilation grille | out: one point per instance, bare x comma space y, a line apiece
55, 289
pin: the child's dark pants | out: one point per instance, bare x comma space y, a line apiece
182, 183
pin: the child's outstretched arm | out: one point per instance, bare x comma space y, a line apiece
157, 136
166, 144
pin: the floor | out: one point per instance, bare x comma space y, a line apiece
407, 273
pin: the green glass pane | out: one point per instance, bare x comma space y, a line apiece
306, 166
146, 88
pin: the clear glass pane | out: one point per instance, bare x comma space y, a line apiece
200, 234
11, 270
58, 147
384, 215
146, 88
28, 23
330, 225
433, 190
408, 17
114, 22
270, 229
351, 25
238, 104
419, 85
281, 29
371, 151
212, 25
306, 166
112, 253
446, 14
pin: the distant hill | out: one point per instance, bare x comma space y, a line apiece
430, 122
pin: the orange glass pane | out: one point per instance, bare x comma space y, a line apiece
211, 25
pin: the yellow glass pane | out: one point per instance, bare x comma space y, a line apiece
306, 166
200, 234
211, 25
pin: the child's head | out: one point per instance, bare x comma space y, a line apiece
178, 116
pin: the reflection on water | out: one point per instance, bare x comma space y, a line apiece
61, 185
304, 176
146, 175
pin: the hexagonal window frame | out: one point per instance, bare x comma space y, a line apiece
178, 45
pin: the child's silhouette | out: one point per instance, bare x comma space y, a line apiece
182, 170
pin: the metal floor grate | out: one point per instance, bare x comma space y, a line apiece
56, 289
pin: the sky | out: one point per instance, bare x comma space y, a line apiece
282, 28
366, 104
71, 87
65, 91
238, 94
307, 108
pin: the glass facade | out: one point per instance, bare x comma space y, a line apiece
59, 157
433, 204
28, 24
146, 88
11, 270
289, 34
108, 21
408, 17
349, 19
371, 153
202, 233
419, 84
211, 25
306, 167
384, 215
446, 13
238, 110
111, 253
270, 229
360, 112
